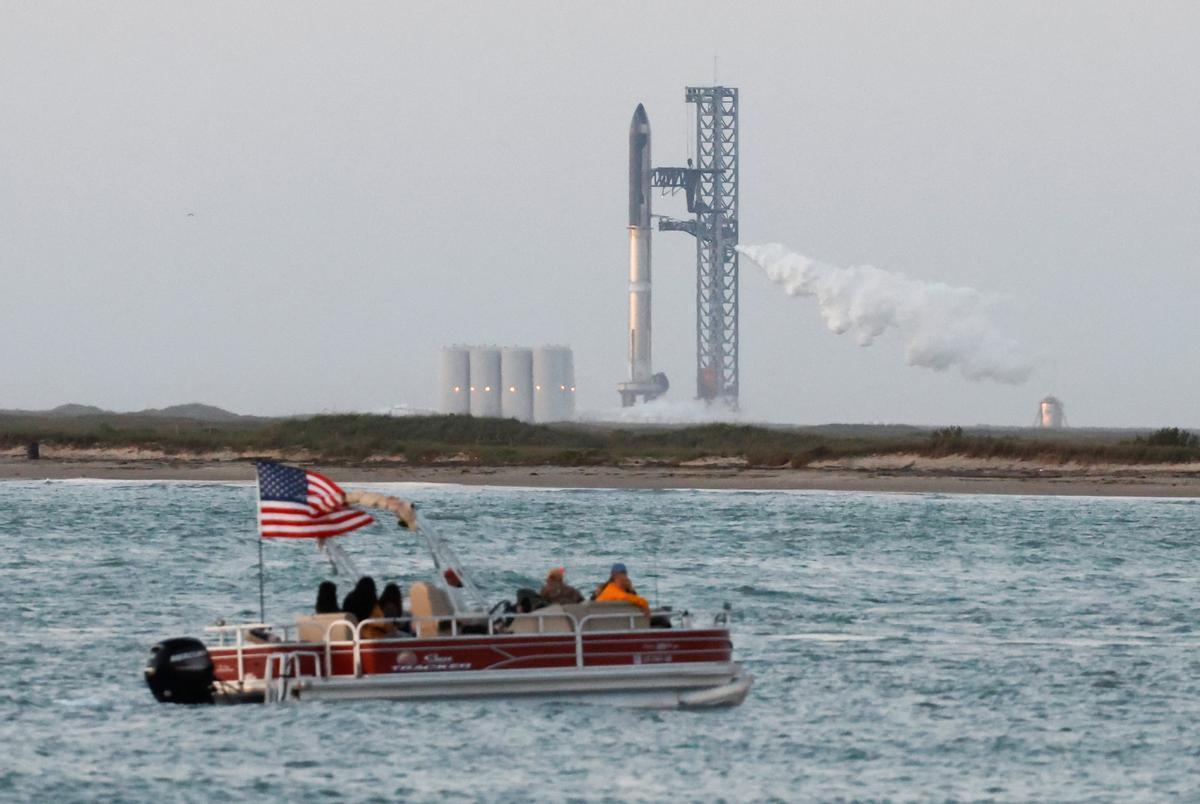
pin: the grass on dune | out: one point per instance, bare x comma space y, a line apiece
424, 439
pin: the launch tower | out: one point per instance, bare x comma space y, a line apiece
711, 186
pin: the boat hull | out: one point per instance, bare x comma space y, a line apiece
692, 685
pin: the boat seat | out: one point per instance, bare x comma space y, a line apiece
626, 616
311, 627
544, 622
427, 602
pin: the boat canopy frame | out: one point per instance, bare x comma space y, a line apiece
450, 572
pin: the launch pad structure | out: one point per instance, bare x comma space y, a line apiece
711, 188
712, 195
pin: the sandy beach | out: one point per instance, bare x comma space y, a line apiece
892, 473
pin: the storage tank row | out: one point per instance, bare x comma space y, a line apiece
530, 385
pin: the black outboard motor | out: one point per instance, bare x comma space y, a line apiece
180, 671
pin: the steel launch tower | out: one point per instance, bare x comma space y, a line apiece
714, 201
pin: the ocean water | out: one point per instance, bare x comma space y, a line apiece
905, 647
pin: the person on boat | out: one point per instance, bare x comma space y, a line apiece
557, 590
327, 598
391, 605
618, 587
366, 606
362, 599
529, 600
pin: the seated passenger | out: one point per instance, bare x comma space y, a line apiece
556, 590
327, 598
391, 605
528, 600
363, 603
618, 587
362, 600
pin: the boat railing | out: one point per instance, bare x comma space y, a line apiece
456, 621
578, 626
291, 666
239, 632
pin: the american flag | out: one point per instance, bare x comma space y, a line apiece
298, 504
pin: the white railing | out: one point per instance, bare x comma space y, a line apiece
239, 631
577, 628
291, 666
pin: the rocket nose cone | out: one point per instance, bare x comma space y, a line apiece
639, 118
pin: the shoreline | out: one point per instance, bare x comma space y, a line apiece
946, 478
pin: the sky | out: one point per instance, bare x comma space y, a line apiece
291, 207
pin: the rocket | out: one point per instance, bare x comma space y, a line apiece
639, 246
642, 381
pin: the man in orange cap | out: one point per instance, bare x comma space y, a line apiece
556, 590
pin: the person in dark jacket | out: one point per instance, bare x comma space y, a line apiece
362, 600
327, 598
557, 590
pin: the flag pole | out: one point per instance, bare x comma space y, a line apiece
262, 600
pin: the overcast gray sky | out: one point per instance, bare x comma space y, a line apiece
372, 181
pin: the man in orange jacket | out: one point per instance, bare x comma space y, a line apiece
618, 587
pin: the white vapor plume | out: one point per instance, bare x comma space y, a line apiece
664, 410
942, 326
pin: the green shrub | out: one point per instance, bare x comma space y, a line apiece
1173, 437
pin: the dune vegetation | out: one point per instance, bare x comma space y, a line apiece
483, 441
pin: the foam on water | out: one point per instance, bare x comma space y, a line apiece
905, 646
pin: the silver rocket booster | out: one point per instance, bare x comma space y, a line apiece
642, 380
639, 247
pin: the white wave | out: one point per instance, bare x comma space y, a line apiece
823, 637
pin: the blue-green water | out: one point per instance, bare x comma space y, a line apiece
905, 646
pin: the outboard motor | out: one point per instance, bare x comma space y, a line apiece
180, 671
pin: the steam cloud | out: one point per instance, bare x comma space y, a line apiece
942, 326
665, 410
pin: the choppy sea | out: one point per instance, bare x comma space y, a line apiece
905, 647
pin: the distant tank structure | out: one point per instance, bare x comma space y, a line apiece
529, 385
1051, 414
455, 381
553, 384
485, 382
516, 384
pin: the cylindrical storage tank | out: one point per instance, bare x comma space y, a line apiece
455, 380
516, 380
553, 384
567, 384
485, 382
543, 376
1050, 413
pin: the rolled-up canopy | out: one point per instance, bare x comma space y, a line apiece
403, 509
